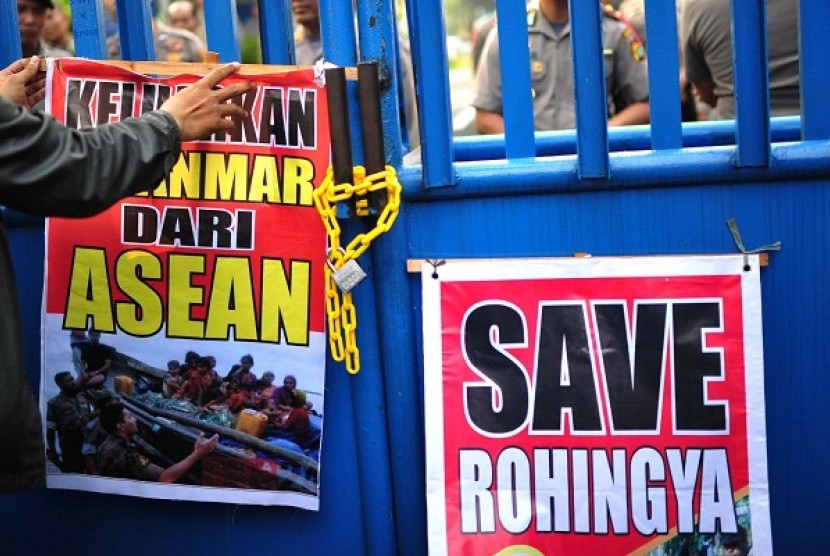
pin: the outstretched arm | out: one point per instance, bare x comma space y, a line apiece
202, 447
52, 170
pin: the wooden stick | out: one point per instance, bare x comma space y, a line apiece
414, 265
199, 68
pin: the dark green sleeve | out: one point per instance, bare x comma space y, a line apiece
50, 170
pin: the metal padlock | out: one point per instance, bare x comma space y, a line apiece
347, 276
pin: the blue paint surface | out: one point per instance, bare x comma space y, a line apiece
474, 197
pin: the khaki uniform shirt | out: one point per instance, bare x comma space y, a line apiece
119, 458
68, 415
552, 77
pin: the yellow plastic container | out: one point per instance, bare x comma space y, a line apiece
252, 422
124, 385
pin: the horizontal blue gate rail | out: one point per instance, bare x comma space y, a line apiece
663, 188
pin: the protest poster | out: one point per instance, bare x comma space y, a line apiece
595, 406
220, 268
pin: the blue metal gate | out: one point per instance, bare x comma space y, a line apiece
667, 188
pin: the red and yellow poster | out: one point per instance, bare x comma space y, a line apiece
595, 406
200, 303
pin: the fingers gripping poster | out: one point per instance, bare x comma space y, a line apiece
183, 327
595, 406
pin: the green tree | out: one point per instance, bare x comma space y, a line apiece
460, 14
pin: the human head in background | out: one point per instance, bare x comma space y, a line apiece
66, 382
246, 362
31, 17
182, 15
735, 544
306, 13
56, 30
308, 47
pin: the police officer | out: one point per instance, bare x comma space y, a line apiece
551, 65
118, 456
66, 417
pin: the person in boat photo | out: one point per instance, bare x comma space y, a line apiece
119, 456
67, 415
96, 359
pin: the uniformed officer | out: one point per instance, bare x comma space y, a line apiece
118, 456
551, 62
66, 417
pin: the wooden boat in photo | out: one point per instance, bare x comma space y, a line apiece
240, 460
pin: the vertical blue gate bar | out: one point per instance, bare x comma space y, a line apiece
664, 93
388, 255
370, 427
589, 85
402, 376
378, 42
517, 97
275, 32
88, 29
337, 31
222, 29
429, 57
10, 49
749, 47
135, 30
814, 22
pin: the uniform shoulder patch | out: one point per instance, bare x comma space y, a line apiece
635, 41
532, 14
638, 53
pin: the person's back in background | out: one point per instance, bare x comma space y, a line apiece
706, 34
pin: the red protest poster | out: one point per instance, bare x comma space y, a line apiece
595, 406
199, 303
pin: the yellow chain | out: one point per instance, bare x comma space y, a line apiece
340, 311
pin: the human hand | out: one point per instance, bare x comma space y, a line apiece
205, 445
201, 109
23, 83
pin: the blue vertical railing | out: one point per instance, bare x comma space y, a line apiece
221, 28
589, 85
337, 29
10, 37
814, 22
276, 35
429, 50
135, 29
749, 46
378, 42
88, 29
514, 62
664, 93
